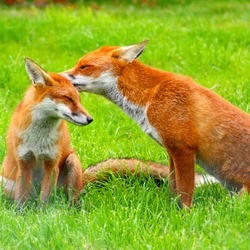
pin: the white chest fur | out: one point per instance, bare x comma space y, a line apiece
137, 113
40, 139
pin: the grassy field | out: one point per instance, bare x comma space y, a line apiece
207, 40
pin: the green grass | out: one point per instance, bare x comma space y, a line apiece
207, 40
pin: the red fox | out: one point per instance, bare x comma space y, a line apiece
194, 124
38, 142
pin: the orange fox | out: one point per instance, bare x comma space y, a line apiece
38, 142
194, 124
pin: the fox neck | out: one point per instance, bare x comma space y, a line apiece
39, 139
132, 93
136, 112
136, 84
43, 115
41, 135
42, 123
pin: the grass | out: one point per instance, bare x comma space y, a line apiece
208, 41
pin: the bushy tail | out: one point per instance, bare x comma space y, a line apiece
101, 170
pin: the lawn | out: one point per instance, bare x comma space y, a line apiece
207, 40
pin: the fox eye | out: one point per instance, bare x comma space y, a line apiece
68, 98
83, 67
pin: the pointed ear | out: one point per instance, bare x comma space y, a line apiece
37, 75
129, 53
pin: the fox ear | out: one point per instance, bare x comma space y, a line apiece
37, 75
129, 53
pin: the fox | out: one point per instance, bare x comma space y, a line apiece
38, 140
194, 124
121, 167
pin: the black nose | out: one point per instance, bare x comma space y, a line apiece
89, 119
71, 76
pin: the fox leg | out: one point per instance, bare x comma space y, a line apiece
172, 180
73, 177
8, 180
51, 172
23, 182
184, 167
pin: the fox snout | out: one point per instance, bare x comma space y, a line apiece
78, 119
72, 77
81, 117
85, 122
78, 116
89, 119
77, 84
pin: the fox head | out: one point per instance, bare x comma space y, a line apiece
54, 96
97, 71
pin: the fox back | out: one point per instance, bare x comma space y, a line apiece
194, 124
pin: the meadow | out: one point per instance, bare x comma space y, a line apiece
206, 40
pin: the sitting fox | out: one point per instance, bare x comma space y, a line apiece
38, 142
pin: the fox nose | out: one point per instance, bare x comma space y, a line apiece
89, 119
71, 76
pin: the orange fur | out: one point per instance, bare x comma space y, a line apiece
194, 124
38, 141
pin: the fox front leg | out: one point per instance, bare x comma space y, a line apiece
184, 168
51, 173
23, 181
